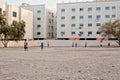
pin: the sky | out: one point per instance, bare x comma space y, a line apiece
51, 3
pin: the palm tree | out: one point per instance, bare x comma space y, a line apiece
111, 30
117, 31
107, 29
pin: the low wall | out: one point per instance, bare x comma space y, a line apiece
60, 43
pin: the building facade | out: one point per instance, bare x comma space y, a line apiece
82, 20
15, 13
43, 21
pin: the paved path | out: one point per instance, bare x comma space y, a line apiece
60, 64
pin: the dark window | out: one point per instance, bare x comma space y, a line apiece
73, 25
113, 7
81, 33
97, 32
38, 25
81, 25
39, 11
38, 18
98, 24
73, 17
62, 17
73, 9
89, 9
72, 33
62, 25
90, 25
98, 8
62, 10
38, 33
81, 9
89, 33
14, 14
62, 33
107, 8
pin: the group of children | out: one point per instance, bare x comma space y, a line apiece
26, 45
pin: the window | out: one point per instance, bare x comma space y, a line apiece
89, 9
113, 7
38, 33
89, 24
98, 16
39, 11
90, 17
72, 33
81, 9
107, 8
98, 24
63, 17
98, 8
38, 18
81, 17
73, 25
113, 16
62, 25
107, 16
14, 14
73, 9
81, 33
62, 33
81, 25
97, 32
73, 17
62, 10
89, 33
38, 25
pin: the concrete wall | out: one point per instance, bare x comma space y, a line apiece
27, 16
60, 43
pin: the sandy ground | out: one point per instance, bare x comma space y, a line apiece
60, 64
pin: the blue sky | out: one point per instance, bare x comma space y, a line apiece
51, 3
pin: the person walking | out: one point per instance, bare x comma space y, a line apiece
25, 45
41, 45
85, 44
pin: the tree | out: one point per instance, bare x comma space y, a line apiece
18, 30
5, 35
111, 30
15, 31
4, 30
117, 31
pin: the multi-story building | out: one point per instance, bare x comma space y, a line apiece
43, 21
82, 20
14, 13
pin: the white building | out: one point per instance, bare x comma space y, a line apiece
15, 13
81, 20
43, 21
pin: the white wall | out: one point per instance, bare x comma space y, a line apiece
60, 43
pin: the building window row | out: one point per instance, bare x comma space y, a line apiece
90, 17
90, 8
80, 33
82, 25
